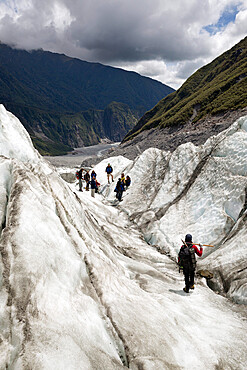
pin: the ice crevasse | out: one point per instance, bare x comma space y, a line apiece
80, 287
201, 190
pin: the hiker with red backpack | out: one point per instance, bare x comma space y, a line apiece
97, 186
187, 261
79, 177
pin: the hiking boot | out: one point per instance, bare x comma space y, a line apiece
186, 290
192, 286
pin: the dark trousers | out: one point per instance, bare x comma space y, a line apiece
189, 276
119, 195
80, 184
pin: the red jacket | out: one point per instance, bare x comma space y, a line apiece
198, 252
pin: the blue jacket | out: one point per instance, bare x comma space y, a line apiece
109, 169
119, 186
93, 184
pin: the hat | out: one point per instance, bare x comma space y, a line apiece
188, 238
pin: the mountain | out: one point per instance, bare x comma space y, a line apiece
198, 108
65, 102
87, 283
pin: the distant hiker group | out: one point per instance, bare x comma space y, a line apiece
89, 179
121, 186
122, 183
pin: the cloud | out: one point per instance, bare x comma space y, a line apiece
228, 16
156, 38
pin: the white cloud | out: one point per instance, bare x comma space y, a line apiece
155, 38
60, 17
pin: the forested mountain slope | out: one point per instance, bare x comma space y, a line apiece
212, 93
61, 100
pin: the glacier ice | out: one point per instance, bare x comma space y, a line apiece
80, 288
200, 190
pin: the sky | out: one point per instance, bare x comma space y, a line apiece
165, 40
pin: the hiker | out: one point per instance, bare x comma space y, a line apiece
122, 178
187, 261
93, 187
93, 175
87, 179
79, 177
109, 171
119, 190
97, 186
127, 182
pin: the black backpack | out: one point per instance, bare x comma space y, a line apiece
109, 169
187, 256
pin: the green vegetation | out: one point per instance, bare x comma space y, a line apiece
50, 148
118, 119
215, 88
66, 102
55, 134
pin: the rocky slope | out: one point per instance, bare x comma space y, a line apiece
208, 102
169, 138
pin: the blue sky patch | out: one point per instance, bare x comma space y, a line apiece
229, 15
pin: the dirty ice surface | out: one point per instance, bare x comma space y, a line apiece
197, 190
80, 287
